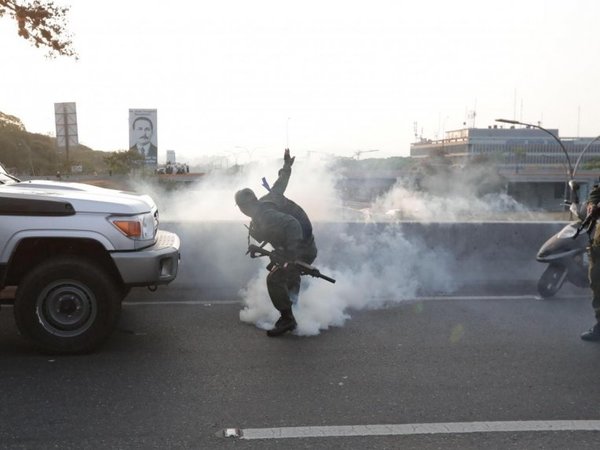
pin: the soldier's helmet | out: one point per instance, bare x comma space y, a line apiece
245, 197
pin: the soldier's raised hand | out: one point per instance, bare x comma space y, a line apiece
287, 159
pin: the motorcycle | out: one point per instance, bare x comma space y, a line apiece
565, 253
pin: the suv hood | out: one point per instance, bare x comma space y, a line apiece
83, 197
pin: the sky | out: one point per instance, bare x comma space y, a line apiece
244, 79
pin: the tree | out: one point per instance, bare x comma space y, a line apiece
42, 23
10, 122
27, 153
123, 162
592, 164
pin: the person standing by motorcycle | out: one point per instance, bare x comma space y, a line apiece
286, 226
593, 208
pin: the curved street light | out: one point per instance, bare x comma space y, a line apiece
516, 122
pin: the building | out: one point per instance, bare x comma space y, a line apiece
534, 164
171, 157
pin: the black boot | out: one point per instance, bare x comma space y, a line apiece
593, 334
284, 324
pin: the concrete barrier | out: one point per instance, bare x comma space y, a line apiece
214, 264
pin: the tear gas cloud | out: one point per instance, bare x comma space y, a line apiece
466, 194
455, 197
402, 203
374, 266
373, 270
212, 198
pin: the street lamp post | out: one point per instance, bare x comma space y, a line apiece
516, 122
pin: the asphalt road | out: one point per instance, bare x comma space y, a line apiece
176, 375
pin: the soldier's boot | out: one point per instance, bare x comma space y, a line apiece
593, 334
285, 323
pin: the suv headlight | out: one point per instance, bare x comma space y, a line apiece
141, 227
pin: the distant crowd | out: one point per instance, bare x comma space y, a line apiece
174, 168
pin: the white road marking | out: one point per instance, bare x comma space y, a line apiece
476, 297
412, 429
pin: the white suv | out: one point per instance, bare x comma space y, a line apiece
73, 251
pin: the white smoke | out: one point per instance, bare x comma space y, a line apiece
373, 270
211, 198
313, 185
448, 194
374, 267
402, 203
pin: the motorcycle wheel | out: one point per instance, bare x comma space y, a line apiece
551, 280
578, 272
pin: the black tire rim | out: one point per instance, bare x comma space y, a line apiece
551, 280
66, 308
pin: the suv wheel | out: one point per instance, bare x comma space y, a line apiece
67, 305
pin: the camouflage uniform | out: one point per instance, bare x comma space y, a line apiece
594, 254
286, 226
307, 250
284, 233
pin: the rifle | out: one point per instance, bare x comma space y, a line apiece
305, 269
588, 223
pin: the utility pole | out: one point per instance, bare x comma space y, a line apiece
67, 137
65, 115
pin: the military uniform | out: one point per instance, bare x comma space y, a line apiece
594, 270
307, 250
286, 226
284, 285
284, 233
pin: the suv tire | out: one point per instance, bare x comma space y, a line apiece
67, 305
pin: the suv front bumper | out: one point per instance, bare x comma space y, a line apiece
152, 265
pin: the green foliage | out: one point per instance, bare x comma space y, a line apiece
122, 162
592, 164
42, 23
11, 122
31, 154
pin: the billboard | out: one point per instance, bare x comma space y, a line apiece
65, 117
142, 134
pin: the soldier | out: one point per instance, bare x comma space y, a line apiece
593, 334
285, 225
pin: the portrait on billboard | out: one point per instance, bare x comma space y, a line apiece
142, 134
